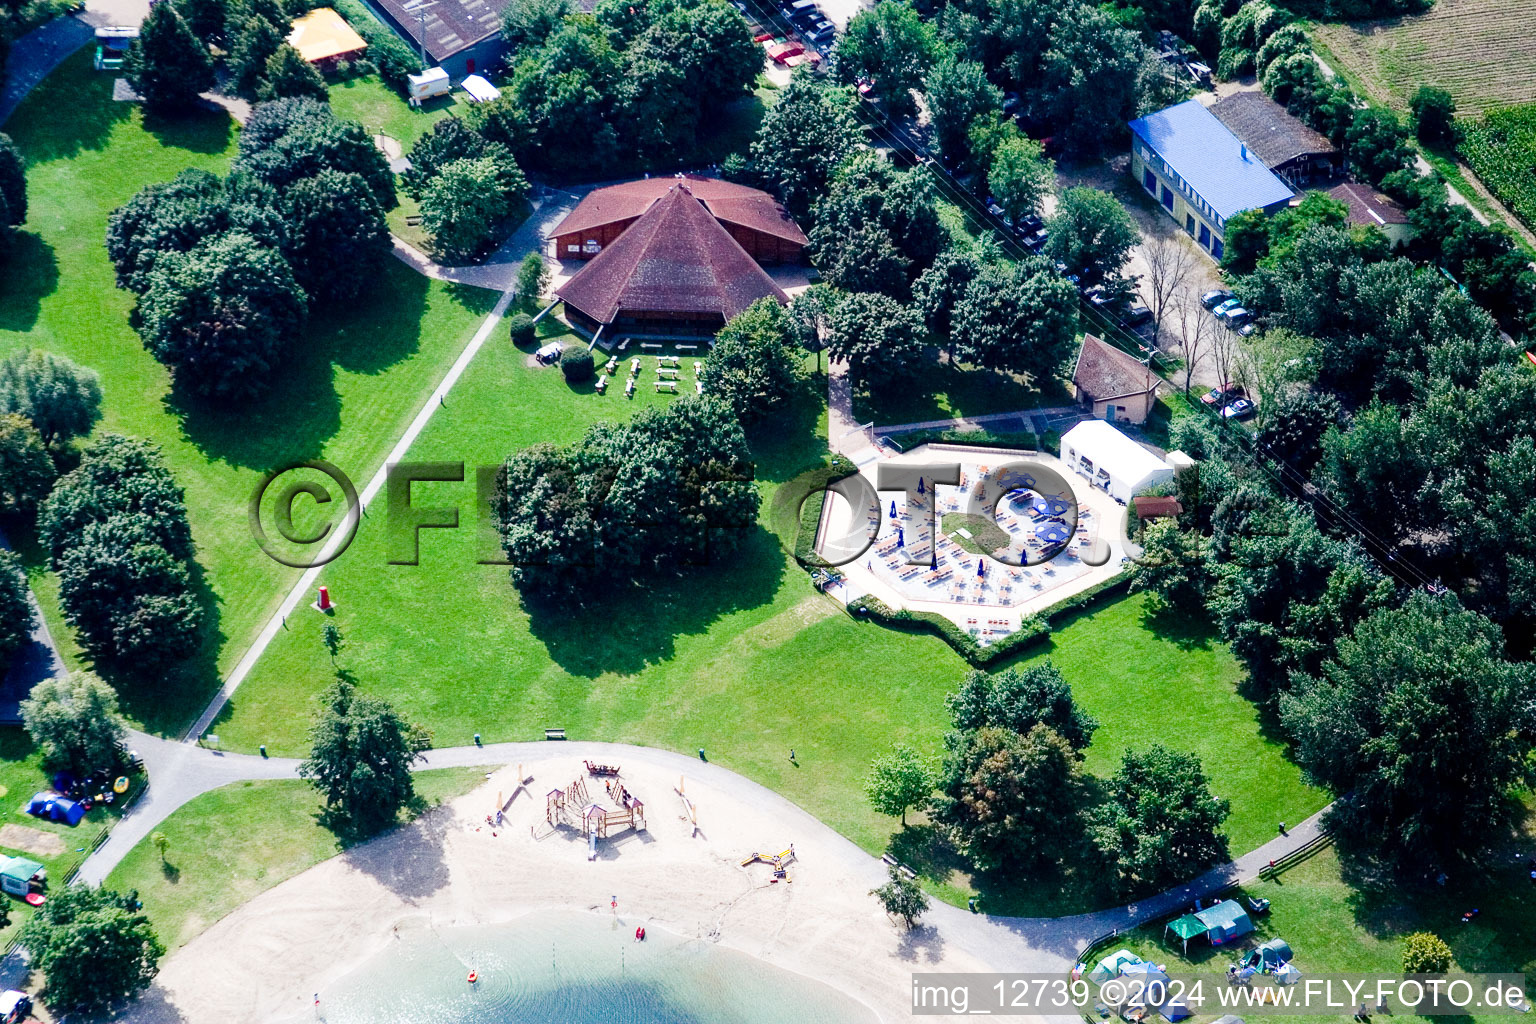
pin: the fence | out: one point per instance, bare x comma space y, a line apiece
1098, 945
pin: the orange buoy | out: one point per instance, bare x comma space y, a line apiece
473, 977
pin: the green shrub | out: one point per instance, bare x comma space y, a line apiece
577, 364
1425, 953
520, 325
1030, 632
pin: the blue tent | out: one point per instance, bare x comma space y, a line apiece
1225, 921
55, 808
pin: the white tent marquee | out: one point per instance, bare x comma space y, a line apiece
1111, 461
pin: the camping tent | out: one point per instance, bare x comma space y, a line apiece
1111, 965
1111, 461
1187, 927
1287, 974
1228, 1019
1269, 955
1174, 1010
1225, 922
1144, 972
16, 874
55, 808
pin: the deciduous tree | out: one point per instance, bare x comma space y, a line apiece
222, 316
464, 203
1092, 234
26, 470
899, 781
902, 897
338, 241
93, 946
361, 752
877, 336
1018, 699
288, 74
750, 368
75, 720
16, 617
804, 136
1159, 824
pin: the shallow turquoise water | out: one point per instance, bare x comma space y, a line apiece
572, 968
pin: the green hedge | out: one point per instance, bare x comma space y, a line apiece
785, 514
976, 438
1031, 631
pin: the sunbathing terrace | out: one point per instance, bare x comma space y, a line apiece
1032, 520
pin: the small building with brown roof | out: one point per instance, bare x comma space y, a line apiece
1369, 208
673, 269
1288, 147
752, 217
1156, 507
323, 38
1115, 385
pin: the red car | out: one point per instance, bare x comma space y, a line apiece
781, 52
1228, 392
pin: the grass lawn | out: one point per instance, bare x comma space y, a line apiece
947, 391
383, 112
1146, 678
230, 845
1335, 923
745, 660
350, 388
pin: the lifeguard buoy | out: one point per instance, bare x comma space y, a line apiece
640, 934
473, 977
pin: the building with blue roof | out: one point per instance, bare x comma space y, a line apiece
1200, 173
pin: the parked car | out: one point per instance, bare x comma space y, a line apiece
1214, 298
1237, 410
1136, 316
1034, 241
1248, 329
822, 31
1099, 298
1223, 308
1235, 317
1228, 392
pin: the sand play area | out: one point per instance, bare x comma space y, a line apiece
265, 962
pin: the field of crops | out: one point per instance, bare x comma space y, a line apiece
1501, 148
1483, 51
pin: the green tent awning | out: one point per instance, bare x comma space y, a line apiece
1187, 927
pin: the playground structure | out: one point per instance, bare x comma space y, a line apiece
778, 861
690, 809
574, 808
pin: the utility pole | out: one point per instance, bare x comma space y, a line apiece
420, 10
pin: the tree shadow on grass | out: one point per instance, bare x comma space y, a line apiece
199, 130
166, 699
789, 440
630, 626
301, 411
378, 329
1186, 631
32, 274
70, 111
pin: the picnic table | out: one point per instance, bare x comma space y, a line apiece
668, 360
669, 386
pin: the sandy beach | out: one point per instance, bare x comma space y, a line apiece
264, 962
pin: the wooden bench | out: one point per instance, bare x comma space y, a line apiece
669, 386
413, 220
554, 734
686, 348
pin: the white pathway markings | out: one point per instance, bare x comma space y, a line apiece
339, 536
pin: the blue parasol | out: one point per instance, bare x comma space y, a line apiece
981, 567
901, 537
893, 510
1052, 533
920, 489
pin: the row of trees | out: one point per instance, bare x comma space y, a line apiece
226, 270
1079, 74
13, 192
182, 45
117, 534
1013, 795
46, 402
627, 85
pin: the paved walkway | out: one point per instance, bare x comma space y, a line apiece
178, 772
36, 54
499, 270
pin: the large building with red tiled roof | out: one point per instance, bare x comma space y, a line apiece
674, 266
752, 217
